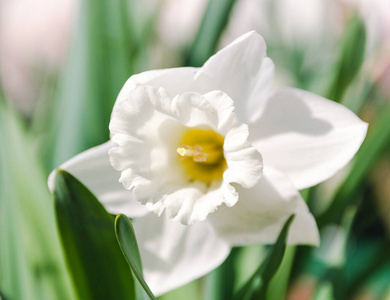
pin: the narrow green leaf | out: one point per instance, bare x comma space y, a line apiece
97, 265
256, 287
206, 41
351, 58
278, 285
126, 237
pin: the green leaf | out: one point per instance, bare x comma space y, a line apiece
98, 267
213, 23
256, 287
351, 58
279, 284
126, 237
32, 264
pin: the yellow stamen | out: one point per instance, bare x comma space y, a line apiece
195, 152
208, 154
202, 154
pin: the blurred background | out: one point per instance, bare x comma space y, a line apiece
62, 64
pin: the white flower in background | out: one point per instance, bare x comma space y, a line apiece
180, 144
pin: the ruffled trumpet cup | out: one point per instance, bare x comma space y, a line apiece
182, 154
221, 154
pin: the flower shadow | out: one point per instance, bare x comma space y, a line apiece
287, 112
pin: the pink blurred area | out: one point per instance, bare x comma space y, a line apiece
34, 39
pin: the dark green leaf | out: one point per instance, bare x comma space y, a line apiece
213, 23
128, 243
97, 265
257, 285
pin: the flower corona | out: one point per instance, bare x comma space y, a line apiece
201, 154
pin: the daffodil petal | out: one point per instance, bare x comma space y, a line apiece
261, 212
93, 169
242, 71
306, 136
174, 254
175, 81
245, 165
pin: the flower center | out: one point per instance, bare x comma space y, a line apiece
201, 154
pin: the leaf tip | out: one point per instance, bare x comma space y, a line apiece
118, 218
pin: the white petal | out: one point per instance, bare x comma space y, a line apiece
261, 212
244, 161
174, 254
93, 168
175, 81
194, 202
147, 138
241, 70
245, 165
194, 110
306, 136
224, 107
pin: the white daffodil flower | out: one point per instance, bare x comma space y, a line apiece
221, 153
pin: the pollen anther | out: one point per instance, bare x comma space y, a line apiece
193, 151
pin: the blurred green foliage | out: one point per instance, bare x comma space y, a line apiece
31, 260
